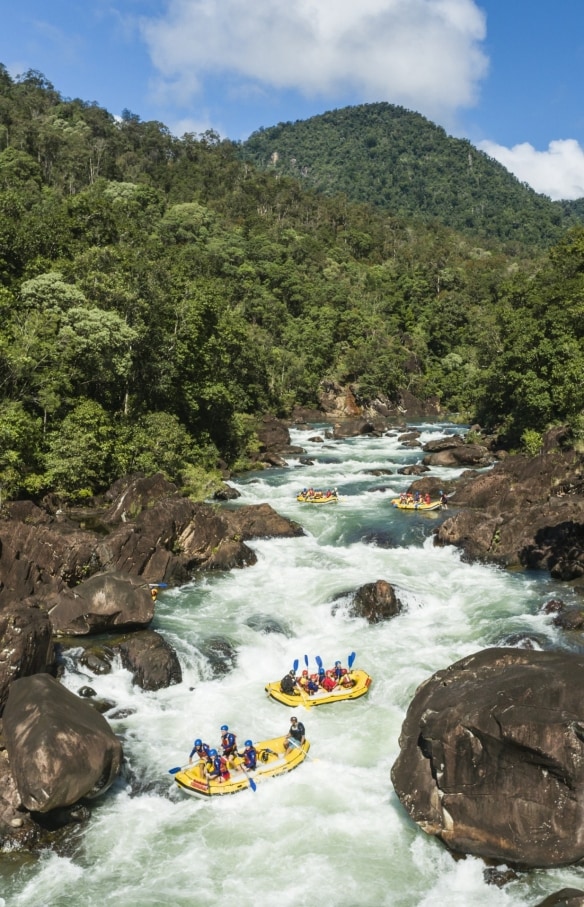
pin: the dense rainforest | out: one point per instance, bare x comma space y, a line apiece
400, 162
157, 293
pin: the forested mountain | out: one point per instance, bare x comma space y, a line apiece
401, 163
157, 293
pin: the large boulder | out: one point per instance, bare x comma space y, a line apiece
375, 602
152, 661
107, 601
42, 552
60, 750
27, 643
525, 512
492, 757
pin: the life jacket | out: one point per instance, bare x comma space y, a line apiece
328, 683
228, 742
250, 757
202, 751
219, 767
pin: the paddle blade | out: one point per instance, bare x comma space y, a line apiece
306, 660
173, 771
252, 783
296, 663
351, 659
318, 660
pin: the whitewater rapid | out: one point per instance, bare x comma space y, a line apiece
332, 830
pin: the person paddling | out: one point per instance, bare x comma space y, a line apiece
200, 749
296, 734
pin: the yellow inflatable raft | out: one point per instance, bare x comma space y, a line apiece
411, 505
317, 498
273, 760
322, 697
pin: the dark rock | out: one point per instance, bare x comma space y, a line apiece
523, 641
441, 444
86, 692
458, 456
152, 662
516, 515
220, 653
265, 623
97, 659
226, 493
499, 877
260, 521
553, 606
27, 644
375, 602
492, 757
59, 749
570, 619
565, 897
416, 469
316, 439
408, 436
104, 602
102, 705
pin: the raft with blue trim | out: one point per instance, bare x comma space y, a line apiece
272, 760
322, 697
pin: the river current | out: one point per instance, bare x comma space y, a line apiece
333, 830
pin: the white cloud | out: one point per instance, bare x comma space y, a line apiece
423, 54
557, 172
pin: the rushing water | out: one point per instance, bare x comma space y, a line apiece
333, 830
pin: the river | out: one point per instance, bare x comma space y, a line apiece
333, 830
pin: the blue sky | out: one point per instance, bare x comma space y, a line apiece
506, 74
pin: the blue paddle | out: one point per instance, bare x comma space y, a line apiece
351, 659
295, 665
250, 780
178, 768
318, 660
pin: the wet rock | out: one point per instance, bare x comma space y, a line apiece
417, 469
499, 877
375, 602
220, 653
153, 663
265, 623
492, 757
565, 897
59, 749
226, 493
86, 692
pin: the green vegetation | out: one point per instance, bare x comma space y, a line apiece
157, 294
399, 162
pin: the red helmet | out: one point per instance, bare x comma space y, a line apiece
305, 673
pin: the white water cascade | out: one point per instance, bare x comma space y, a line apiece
332, 831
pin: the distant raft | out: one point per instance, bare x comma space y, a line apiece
317, 497
412, 505
273, 760
322, 697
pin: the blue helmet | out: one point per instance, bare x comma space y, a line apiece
321, 671
212, 752
337, 663
198, 742
224, 727
248, 743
